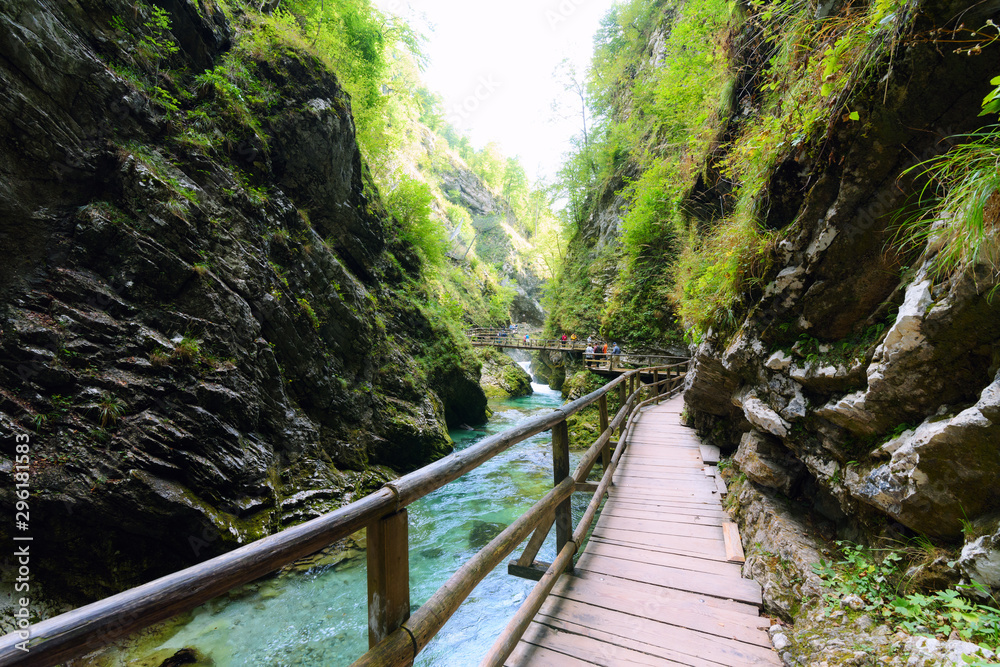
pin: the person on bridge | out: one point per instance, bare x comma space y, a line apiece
573, 338
563, 339
588, 354
604, 352
527, 338
615, 353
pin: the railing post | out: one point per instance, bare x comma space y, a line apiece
606, 452
560, 471
388, 576
656, 382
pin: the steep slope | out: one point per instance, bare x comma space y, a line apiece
210, 327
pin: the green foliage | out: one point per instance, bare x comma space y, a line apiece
307, 309
410, 203
714, 273
958, 216
877, 577
156, 44
186, 351
109, 410
991, 103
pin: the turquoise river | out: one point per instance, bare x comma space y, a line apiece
316, 615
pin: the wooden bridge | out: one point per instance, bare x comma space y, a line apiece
658, 583
606, 364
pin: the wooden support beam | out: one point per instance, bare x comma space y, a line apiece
560, 471
586, 487
388, 576
532, 571
606, 451
536, 541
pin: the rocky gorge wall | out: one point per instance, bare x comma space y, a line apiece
859, 385
209, 328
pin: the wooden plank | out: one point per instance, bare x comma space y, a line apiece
720, 485
651, 496
665, 528
616, 642
696, 485
631, 513
630, 486
625, 620
665, 507
656, 603
583, 647
530, 654
672, 645
533, 571
641, 588
710, 453
632, 469
741, 590
678, 561
673, 543
734, 545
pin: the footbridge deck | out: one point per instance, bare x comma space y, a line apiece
659, 581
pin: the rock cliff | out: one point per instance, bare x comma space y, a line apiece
856, 381
209, 328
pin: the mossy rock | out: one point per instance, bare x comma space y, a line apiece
501, 376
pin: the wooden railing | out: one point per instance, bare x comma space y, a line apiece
395, 636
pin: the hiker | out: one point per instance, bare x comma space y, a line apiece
563, 339
588, 354
615, 353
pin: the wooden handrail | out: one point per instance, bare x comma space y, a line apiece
82, 630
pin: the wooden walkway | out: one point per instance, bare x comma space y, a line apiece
659, 582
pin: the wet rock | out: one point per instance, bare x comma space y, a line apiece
767, 462
482, 532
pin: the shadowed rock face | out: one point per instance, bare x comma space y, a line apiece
843, 350
202, 344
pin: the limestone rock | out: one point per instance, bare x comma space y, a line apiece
709, 385
944, 471
779, 361
980, 557
763, 417
767, 462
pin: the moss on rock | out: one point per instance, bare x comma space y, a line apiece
502, 377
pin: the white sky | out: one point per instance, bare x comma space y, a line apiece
493, 64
